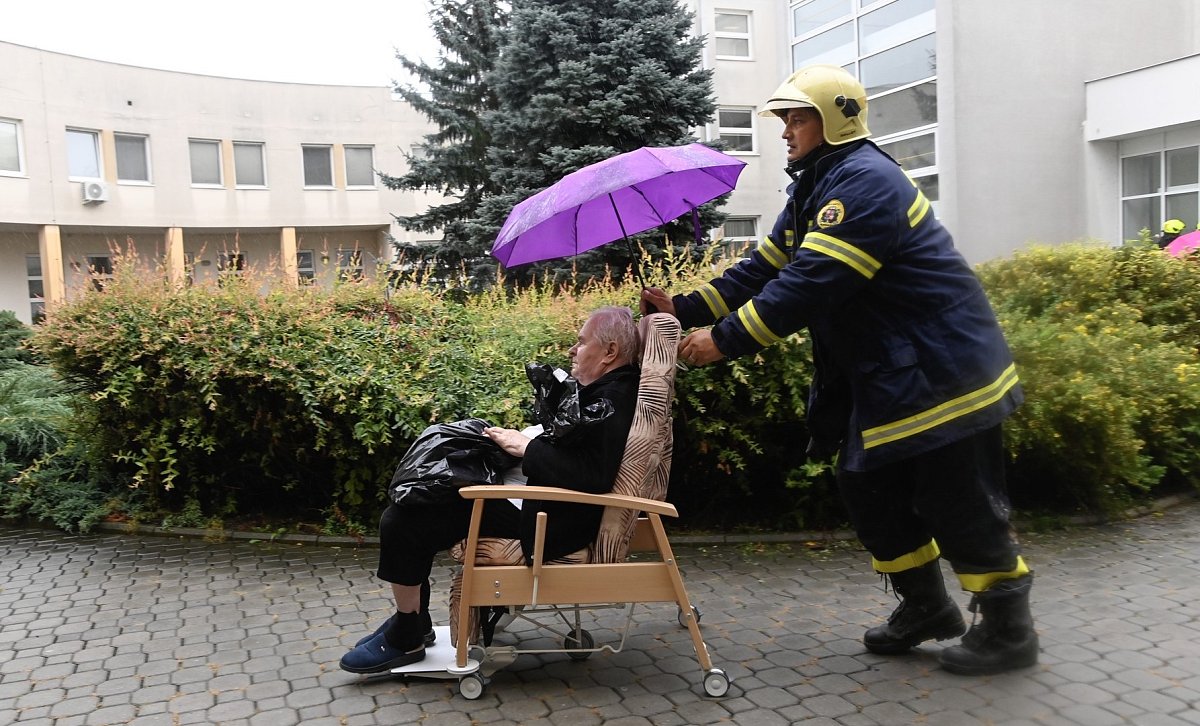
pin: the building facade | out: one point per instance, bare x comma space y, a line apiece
202, 175
1022, 121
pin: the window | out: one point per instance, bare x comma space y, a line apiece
133, 157
83, 154
735, 126
349, 265
11, 159
360, 166
249, 168
739, 233
732, 35
810, 16
913, 153
835, 46
913, 61
305, 266
895, 24
234, 262
318, 166
1159, 186
205, 156
99, 269
37, 291
904, 110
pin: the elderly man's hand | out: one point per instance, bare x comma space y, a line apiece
698, 349
511, 440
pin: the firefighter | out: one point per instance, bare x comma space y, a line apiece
912, 378
1171, 229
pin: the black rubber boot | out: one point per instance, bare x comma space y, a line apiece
1003, 639
926, 612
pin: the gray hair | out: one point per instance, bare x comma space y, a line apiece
614, 324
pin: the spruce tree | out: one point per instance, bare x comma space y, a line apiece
455, 97
578, 82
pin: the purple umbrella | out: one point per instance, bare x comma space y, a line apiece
1184, 243
612, 199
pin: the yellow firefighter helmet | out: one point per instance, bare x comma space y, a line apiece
836, 95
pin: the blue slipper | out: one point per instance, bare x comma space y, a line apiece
377, 655
430, 635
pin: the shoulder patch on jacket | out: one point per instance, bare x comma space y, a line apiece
831, 214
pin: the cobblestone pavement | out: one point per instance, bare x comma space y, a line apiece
116, 629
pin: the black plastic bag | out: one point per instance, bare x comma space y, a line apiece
556, 402
445, 457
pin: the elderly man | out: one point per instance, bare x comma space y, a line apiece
603, 362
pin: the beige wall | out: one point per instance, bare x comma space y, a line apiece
50, 92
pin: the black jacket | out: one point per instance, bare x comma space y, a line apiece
587, 461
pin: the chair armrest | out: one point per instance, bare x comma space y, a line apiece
556, 494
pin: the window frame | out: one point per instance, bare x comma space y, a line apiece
748, 36
98, 275
304, 149
145, 139
37, 303
95, 134
1158, 197
216, 144
19, 140
346, 159
353, 268
311, 268
752, 131
262, 159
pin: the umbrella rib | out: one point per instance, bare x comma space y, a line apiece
642, 194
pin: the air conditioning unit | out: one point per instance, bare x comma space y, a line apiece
95, 191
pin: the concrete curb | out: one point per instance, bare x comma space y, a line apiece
841, 535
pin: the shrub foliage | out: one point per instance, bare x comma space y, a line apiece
200, 403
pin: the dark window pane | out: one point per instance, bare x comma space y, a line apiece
318, 171
899, 66
1139, 175
914, 153
1139, 214
907, 109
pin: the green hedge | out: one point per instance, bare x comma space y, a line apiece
202, 404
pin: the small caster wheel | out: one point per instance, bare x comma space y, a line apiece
579, 644
471, 687
716, 683
695, 614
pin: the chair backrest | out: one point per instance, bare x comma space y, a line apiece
646, 466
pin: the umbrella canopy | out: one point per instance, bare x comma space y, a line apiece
1184, 244
614, 198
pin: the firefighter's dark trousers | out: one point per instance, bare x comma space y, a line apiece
951, 501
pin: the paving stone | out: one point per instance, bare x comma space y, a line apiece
121, 629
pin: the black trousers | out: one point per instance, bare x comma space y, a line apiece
410, 537
954, 495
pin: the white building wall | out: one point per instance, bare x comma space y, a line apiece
1014, 163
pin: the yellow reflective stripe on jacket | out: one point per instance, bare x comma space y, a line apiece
771, 253
979, 583
713, 300
865, 264
922, 555
920, 207
938, 415
754, 325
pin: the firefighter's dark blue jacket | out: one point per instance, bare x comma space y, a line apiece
909, 355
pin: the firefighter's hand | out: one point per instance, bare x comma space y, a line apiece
698, 349
654, 300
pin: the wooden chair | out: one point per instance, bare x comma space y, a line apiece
600, 576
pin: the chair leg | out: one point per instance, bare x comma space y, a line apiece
681, 596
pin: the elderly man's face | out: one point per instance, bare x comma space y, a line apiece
589, 357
